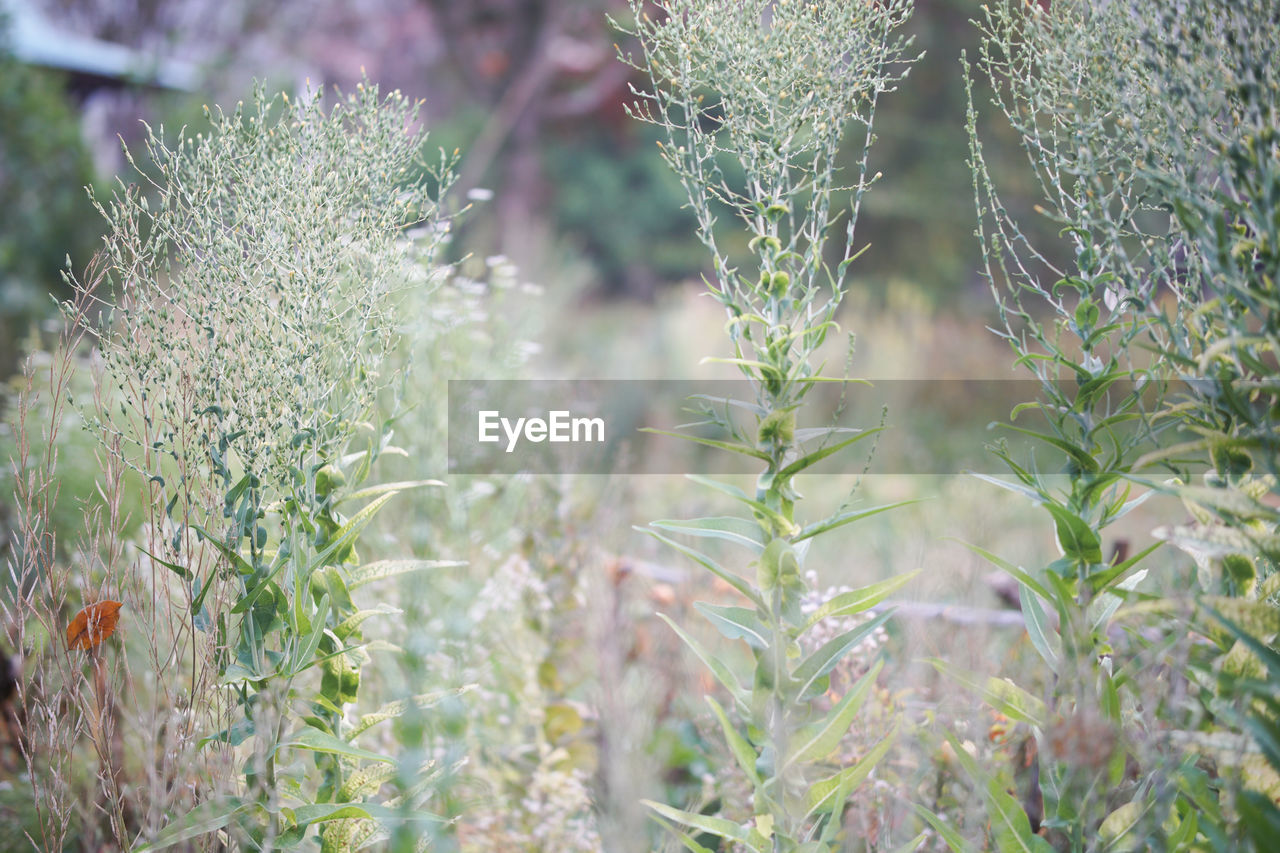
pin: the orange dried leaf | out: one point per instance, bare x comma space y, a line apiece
93, 625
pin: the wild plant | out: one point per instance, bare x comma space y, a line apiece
63, 715
1221, 331
753, 101
1107, 101
255, 276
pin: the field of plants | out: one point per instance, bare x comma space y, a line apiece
252, 600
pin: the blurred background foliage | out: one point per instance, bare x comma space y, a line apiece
569, 189
529, 90
44, 214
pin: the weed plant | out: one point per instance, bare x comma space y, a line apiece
1145, 128
253, 280
753, 101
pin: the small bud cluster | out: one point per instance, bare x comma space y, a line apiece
255, 273
755, 100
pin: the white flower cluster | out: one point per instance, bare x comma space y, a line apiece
555, 813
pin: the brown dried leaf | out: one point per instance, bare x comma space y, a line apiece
93, 625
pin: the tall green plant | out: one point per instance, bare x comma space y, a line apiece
1127, 115
255, 277
754, 100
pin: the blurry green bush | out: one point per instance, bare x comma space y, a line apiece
44, 169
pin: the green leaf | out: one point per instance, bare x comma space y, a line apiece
1083, 460
317, 741
347, 626
713, 663
1229, 501
346, 535
779, 565
1017, 488
779, 520
1260, 619
859, 600
822, 453
949, 834
736, 623
264, 585
1001, 693
1101, 581
716, 826
203, 819
1120, 823
324, 812
1038, 626
744, 449
729, 528
825, 795
818, 740
306, 650
384, 488
810, 433
394, 709
1075, 537
1009, 822
687, 840
228, 554
376, 571
1021, 574
1102, 608
233, 735
825, 658
710, 565
738, 745
841, 519
181, 571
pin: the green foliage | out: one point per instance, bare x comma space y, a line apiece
753, 104
252, 335
644, 242
1151, 133
44, 168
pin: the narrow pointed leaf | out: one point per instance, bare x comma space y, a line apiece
744, 449
1017, 488
825, 658
716, 826
818, 455
317, 741
817, 741
1001, 693
384, 488
738, 745
736, 623
709, 564
739, 531
1021, 574
202, 820
859, 600
737, 494
1037, 623
1075, 537
841, 519
711, 662
949, 834
349, 532
824, 795
390, 568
